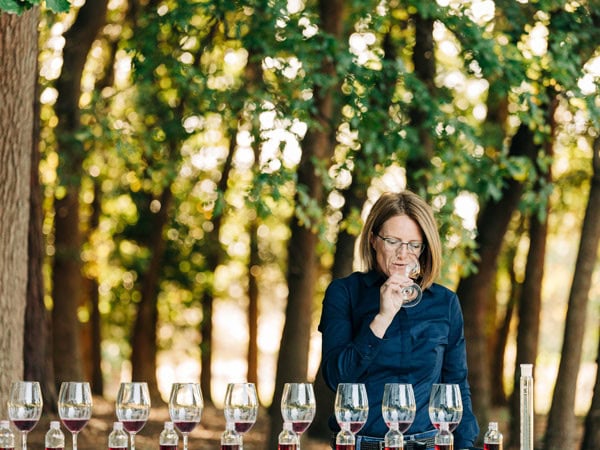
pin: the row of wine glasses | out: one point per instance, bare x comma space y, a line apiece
25, 404
398, 406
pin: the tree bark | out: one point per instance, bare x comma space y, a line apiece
37, 345
18, 63
474, 289
591, 434
143, 342
66, 274
560, 429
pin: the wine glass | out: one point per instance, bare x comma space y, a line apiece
25, 407
133, 407
351, 405
398, 406
298, 406
185, 408
75, 406
445, 405
412, 293
241, 406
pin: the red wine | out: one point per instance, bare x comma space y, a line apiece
75, 425
242, 427
25, 424
230, 447
287, 447
300, 426
451, 425
492, 446
133, 426
55, 448
167, 447
117, 448
393, 448
344, 447
7, 448
356, 426
185, 426
444, 446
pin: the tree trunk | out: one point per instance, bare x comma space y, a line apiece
560, 429
253, 310
214, 257
318, 144
18, 63
591, 434
66, 274
143, 342
530, 302
37, 345
474, 289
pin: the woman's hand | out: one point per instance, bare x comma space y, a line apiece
390, 302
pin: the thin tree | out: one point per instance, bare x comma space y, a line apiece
66, 270
560, 431
591, 434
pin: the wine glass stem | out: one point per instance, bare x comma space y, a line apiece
74, 441
185, 441
132, 439
24, 440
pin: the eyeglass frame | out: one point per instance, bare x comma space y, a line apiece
396, 244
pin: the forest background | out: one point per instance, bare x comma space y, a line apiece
180, 180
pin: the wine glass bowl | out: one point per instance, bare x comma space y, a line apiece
75, 406
412, 294
241, 406
398, 406
25, 405
445, 405
298, 406
185, 408
351, 405
133, 407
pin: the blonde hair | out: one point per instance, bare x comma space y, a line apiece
409, 204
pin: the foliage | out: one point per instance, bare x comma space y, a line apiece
20, 6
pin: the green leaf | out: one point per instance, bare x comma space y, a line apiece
12, 6
58, 5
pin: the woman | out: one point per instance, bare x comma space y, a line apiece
370, 338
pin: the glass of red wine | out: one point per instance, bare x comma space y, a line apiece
185, 408
133, 407
241, 406
75, 406
25, 407
351, 406
445, 405
398, 406
298, 406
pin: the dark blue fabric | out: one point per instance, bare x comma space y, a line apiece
422, 346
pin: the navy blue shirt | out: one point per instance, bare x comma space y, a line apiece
423, 345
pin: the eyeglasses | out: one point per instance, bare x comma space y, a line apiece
415, 247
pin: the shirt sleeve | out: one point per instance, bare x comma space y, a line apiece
344, 357
455, 371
